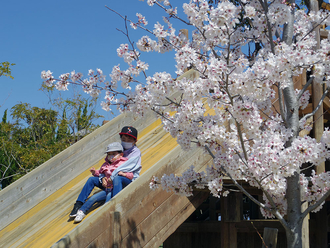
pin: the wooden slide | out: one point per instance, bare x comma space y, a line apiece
35, 209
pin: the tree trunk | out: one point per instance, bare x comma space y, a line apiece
293, 238
294, 228
294, 232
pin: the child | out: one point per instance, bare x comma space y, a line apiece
101, 178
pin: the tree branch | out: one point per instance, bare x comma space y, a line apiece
273, 211
302, 91
315, 205
318, 105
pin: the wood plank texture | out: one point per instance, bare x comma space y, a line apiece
34, 209
147, 217
30, 190
270, 237
53, 211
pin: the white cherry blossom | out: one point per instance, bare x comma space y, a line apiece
228, 106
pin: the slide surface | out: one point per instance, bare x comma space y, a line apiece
35, 209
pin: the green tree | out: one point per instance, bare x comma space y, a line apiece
5, 69
63, 131
9, 164
34, 130
28, 141
76, 111
37, 134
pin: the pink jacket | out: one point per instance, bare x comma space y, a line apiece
107, 168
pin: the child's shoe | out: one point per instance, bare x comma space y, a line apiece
76, 207
80, 215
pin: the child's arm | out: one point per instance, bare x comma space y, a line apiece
96, 172
132, 166
128, 175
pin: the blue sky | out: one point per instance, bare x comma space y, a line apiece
66, 35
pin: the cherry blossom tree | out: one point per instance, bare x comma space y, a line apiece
247, 137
